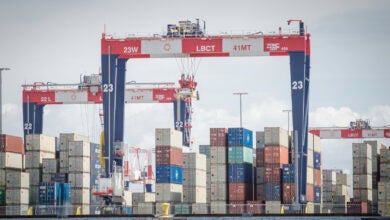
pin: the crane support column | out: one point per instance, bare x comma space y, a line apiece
181, 110
113, 87
32, 118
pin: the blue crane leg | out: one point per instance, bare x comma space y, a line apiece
32, 119
180, 118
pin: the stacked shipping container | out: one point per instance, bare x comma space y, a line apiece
96, 169
342, 196
218, 169
205, 149
375, 151
384, 184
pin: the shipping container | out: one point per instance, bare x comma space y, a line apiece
384, 172
275, 154
16, 210
194, 194
34, 195
194, 177
310, 142
316, 143
184, 209
147, 208
260, 192
310, 192
218, 136
310, 158
66, 137
40, 142
260, 175
9, 143
288, 192
241, 192
35, 176
329, 176
79, 180
343, 179
218, 173
317, 160
17, 196
317, 181
50, 165
141, 197
168, 137
342, 190
17, 179
260, 139
384, 156
219, 191
260, 157
2, 196
274, 136
218, 155
168, 192
237, 154
361, 150
362, 181
272, 207
240, 173
205, 149
169, 174
236, 207
194, 160
362, 195
355, 208
218, 207
34, 158
200, 208
166, 155
9, 160
240, 137
255, 207
79, 148
310, 175
273, 173
79, 164
317, 194
273, 192
362, 166
80, 196
288, 173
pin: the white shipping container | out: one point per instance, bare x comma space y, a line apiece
194, 194
218, 207
168, 137
144, 208
79, 164
17, 179
64, 159
274, 136
310, 141
343, 179
327, 196
310, 158
329, 175
327, 186
79, 180
272, 207
383, 191
317, 143
343, 199
34, 195
384, 171
169, 192
383, 209
200, 208
218, 173
375, 147
35, 176
362, 165
16, 210
49, 165
385, 156
362, 181
219, 191
310, 175
361, 150
218, 155
127, 198
46, 177
79, 148
66, 137
260, 139
194, 177
40, 142
141, 197
194, 160
342, 190
79, 196
17, 196
11, 160
34, 158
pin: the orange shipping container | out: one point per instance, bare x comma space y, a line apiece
260, 157
240, 192
317, 177
310, 192
255, 207
9, 143
276, 154
166, 155
236, 207
288, 192
272, 173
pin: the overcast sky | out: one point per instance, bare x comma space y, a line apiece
56, 41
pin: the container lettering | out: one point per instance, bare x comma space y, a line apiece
203, 48
242, 47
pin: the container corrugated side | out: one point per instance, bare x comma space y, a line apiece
317, 143
361, 150
200, 208
218, 155
218, 207
205, 149
362, 181
168, 137
276, 136
9, 143
17, 179
343, 179
79, 148
17, 196
363, 195
11, 160
80, 196
35, 176
241, 192
218, 136
240, 137
260, 139
34, 158
273, 192
194, 177
145, 209
50, 165
140, 197
169, 174
40, 142
239, 154
79, 164
16, 210
66, 137
240, 173
182, 209
272, 207
219, 191
362, 165
167, 155
79, 180
193, 194
218, 173
194, 160
169, 192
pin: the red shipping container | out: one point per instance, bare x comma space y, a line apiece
236, 207
9, 143
357, 208
260, 157
255, 207
276, 154
310, 192
260, 192
288, 192
272, 173
218, 136
240, 192
317, 177
166, 155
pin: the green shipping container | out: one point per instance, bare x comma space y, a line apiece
182, 209
2, 196
240, 154
205, 149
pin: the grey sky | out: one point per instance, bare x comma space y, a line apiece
57, 41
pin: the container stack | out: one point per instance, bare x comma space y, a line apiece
38, 147
143, 203
218, 164
328, 190
194, 182
342, 196
375, 150
96, 169
240, 168
384, 184
288, 180
362, 174
205, 149
79, 167
65, 138
317, 175
53, 196
14, 200
260, 171
276, 143
169, 166
310, 169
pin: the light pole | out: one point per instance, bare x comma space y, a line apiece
1, 94
240, 94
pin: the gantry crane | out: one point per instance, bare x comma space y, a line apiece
116, 51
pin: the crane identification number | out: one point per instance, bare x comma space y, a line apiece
296, 85
27, 126
179, 124
108, 87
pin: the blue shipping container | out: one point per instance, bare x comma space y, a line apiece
95, 151
240, 173
169, 174
273, 192
317, 194
288, 173
240, 137
317, 160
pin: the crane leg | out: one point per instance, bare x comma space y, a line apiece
32, 119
